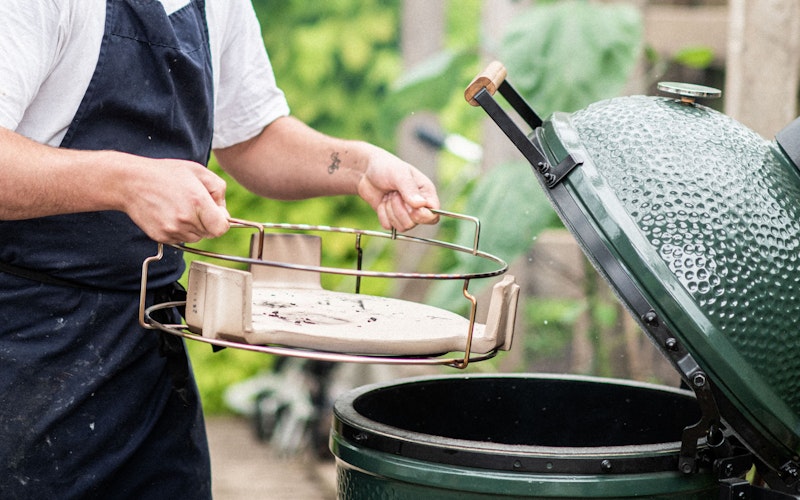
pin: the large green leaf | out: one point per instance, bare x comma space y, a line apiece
427, 86
512, 210
565, 55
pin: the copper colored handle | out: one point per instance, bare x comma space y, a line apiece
490, 79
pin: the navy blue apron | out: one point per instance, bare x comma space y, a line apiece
87, 404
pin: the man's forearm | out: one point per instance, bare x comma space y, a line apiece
37, 180
290, 160
170, 200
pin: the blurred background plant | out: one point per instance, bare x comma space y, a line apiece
335, 61
561, 56
340, 65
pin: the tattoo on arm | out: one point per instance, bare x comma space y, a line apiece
335, 162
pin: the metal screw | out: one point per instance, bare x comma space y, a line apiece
671, 344
606, 465
728, 471
650, 318
699, 380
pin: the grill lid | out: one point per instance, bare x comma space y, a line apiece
694, 220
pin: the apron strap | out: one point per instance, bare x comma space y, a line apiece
30, 274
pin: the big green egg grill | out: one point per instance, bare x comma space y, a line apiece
694, 221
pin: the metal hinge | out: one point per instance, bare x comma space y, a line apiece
740, 489
552, 175
709, 425
790, 473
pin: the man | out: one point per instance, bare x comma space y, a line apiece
106, 123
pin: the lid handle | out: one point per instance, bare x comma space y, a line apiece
490, 79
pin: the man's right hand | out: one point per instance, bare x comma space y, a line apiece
172, 201
176, 201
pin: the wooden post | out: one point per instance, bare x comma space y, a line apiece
763, 67
495, 17
422, 36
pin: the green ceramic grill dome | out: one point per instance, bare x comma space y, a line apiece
703, 215
720, 210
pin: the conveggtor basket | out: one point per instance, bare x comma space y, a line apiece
278, 305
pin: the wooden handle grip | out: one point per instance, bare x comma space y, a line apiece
491, 78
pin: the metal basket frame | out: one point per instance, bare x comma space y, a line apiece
145, 313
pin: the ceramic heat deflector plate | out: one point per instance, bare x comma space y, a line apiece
270, 305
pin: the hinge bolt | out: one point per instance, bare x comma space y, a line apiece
699, 380
728, 470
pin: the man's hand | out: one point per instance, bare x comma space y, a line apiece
400, 194
177, 201
170, 200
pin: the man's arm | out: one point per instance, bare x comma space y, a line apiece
170, 200
289, 160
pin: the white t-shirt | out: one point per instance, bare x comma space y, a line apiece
50, 49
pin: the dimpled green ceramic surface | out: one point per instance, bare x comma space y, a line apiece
703, 213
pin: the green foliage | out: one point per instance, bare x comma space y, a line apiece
695, 57
215, 371
560, 55
511, 208
565, 55
552, 322
334, 60
431, 85
512, 211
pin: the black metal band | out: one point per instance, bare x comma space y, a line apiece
521, 460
